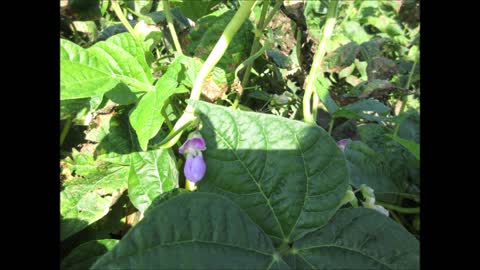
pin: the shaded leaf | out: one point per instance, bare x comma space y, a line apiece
206, 231
381, 68
342, 57
289, 177
87, 254
412, 146
358, 238
195, 9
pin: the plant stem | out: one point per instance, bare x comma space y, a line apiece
215, 55
256, 42
317, 60
414, 210
121, 16
168, 16
404, 99
274, 10
249, 60
65, 130
262, 23
298, 46
330, 125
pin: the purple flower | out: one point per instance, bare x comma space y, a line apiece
195, 166
193, 145
342, 144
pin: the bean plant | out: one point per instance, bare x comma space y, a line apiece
240, 134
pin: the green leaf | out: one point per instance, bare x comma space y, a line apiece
373, 48
322, 85
88, 197
98, 69
358, 238
412, 146
370, 168
359, 109
381, 68
403, 167
151, 174
342, 57
85, 255
354, 31
195, 9
372, 88
315, 13
75, 108
368, 105
143, 6
114, 136
289, 177
146, 117
280, 59
386, 25
193, 231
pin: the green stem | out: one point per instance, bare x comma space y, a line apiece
215, 55
404, 99
168, 16
317, 60
65, 130
121, 17
256, 42
168, 141
298, 46
414, 210
274, 10
397, 218
262, 23
330, 125
249, 60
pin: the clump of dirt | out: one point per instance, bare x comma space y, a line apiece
286, 35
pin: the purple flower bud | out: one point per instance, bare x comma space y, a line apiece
195, 168
193, 145
342, 144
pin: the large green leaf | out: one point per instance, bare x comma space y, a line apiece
194, 231
151, 174
85, 255
98, 69
358, 238
289, 177
88, 197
